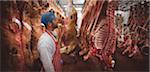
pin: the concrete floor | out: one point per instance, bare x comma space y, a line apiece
123, 63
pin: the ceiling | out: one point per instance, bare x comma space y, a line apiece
123, 5
77, 3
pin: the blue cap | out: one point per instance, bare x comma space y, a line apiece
47, 18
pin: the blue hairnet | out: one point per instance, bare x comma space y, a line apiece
47, 18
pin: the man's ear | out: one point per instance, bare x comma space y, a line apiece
54, 21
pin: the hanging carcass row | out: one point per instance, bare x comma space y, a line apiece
136, 31
103, 37
13, 47
18, 54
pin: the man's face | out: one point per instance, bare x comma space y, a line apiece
54, 24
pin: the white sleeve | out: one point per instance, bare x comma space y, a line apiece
46, 56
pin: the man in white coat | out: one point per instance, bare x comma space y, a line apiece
47, 45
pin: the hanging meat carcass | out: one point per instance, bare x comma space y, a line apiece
88, 23
70, 32
103, 37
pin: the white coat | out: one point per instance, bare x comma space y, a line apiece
46, 48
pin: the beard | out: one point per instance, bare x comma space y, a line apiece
54, 26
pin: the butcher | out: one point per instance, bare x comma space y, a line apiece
47, 45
